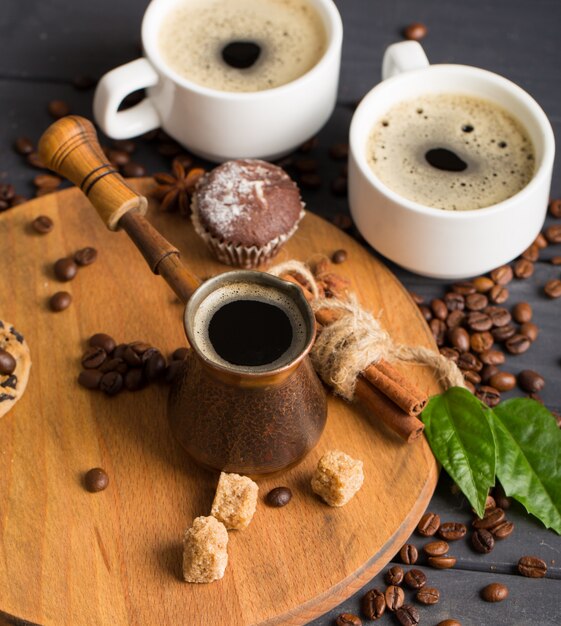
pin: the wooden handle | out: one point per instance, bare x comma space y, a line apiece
70, 148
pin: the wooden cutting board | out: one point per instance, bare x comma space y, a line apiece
69, 557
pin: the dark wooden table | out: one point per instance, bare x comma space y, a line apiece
44, 45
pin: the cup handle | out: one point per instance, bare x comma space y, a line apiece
403, 57
113, 88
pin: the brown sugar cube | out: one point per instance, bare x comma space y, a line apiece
235, 501
205, 553
337, 477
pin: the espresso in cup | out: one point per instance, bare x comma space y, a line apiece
242, 45
451, 151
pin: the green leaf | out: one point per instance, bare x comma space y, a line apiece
458, 428
529, 458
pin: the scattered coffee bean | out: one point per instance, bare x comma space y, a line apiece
503, 381
429, 524
442, 562
415, 31
532, 567
487, 373
111, 383
101, 340
553, 233
473, 377
436, 548
339, 186
58, 108
342, 221
7, 363
96, 480
415, 579
468, 361
90, 379
449, 622
478, 321
279, 496
114, 365
426, 312
339, 256
172, 370
83, 82
23, 146
348, 619
60, 301
498, 294
476, 301
483, 284
450, 353
439, 309
523, 268
503, 332
502, 275
85, 256
501, 498
492, 518
502, 530
530, 330
339, 151
552, 288
35, 160
409, 554
532, 252
395, 597
522, 312
155, 366
47, 181
133, 379
482, 541
499, 315
555, 260
555, 208
495, 592
118, 157
169, 148
180, 354
42, 224
131, 357
428, 596
481, 342
517, 344
459, 339
530, 381
373, 604
489, 395
407, 615
394, 576
65, 269
438, 329
93, 358
309, 145
454, 301
452, 531
310, 181
133, 170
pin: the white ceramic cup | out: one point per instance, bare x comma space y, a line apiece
436, 242
220, 125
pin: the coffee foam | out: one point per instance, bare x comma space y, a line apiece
290, 33
247, 291
495, 146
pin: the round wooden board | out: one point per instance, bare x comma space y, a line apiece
74, 558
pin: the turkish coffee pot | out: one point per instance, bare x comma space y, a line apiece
246, 398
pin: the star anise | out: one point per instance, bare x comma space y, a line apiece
174, 190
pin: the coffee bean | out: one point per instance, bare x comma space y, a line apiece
449, 353
85, 256
530, 330
522, 312
131, 357
47, 181
482, 541
503, 381
478, 321
35, 160
473, 377
495, 592
23, 146
454, 319
339, 186
417, 299
501, 498
463, 287
180, 354
439, 309
468, 361
502, 275
555, 208
438, 329
394, 576
129, 146
523, 268
555, 260
394, 598
454, 301
428, 596
532, 253
415, 579
17, 200
90, 379
101, 340
169, 148
480, 342
58, 108
133, 170
499, 315
373, 604
339, 151
476, 301
452, 531
65, 269
489, 395
278, 497
415, 31
339, 256
502, 530
449, 622
459, 338
489, 504
407, 615
409, 554
532, 567
172, 370
111, 383
341, 220
487, 372
96, 480
60, 301
118, 157
503, 332
483, 284
552, 288
442, 562
498, 294
426, 312
115, 364
553, 233
93, 358
42, 224
492, 357
530, 381
348, 619
491, 519
133, 379
83, 82
429, 524
306, 165
540, 241
517, 344
7, 363
141, 348
436, 548
155, 366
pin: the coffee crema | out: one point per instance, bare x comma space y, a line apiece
250, 327
451, 151
242, 45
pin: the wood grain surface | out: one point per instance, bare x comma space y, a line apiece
69, 557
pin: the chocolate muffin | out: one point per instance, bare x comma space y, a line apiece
245, 210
